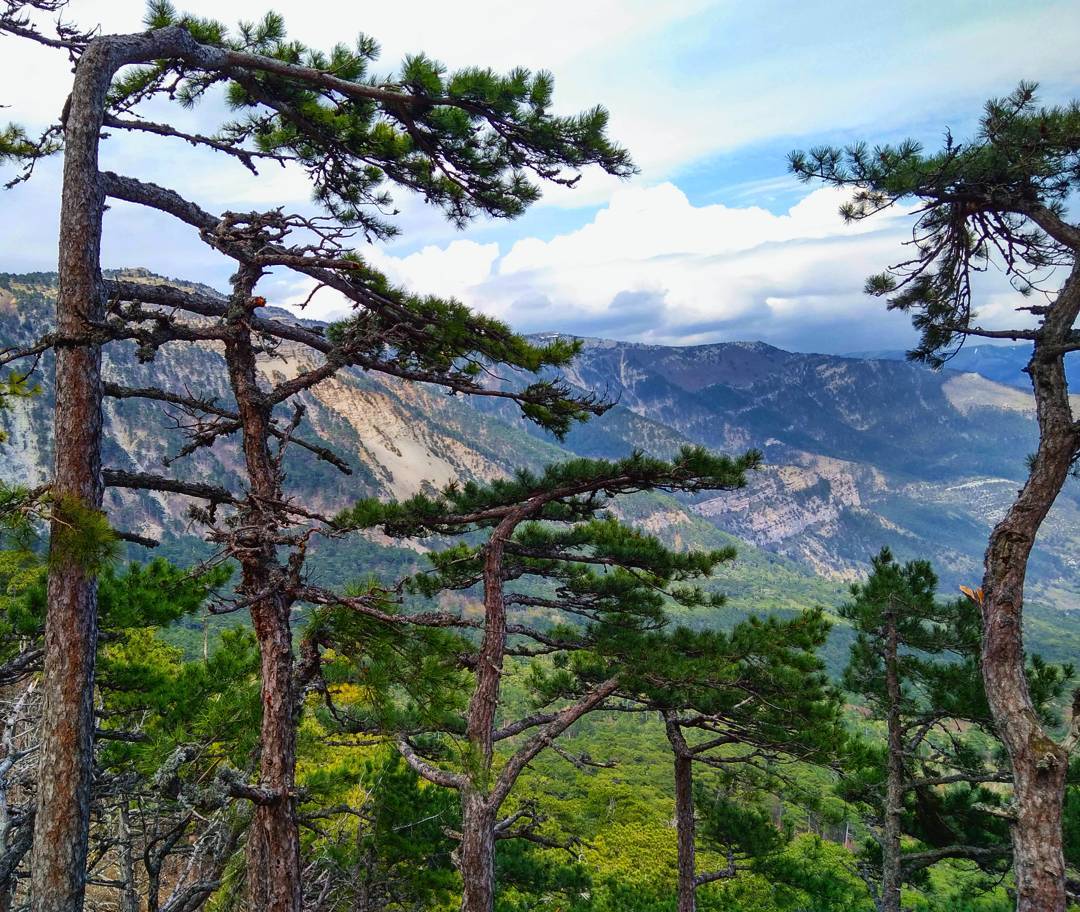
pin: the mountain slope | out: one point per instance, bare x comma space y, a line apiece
860, 453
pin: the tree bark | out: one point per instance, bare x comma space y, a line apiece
129, 892
67, 723
67, 727
273, 846
476, 852
685, 824
891, 872
1039, 764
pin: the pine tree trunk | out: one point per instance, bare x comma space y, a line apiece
273, 845
484, 702
476, 852
685, 825
891, 874
61, 826
129, 892
684, 815
1038, 854
1039, 764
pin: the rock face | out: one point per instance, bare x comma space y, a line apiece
860, 452
398, 437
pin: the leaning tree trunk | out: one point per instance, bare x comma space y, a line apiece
685, 825
476, 852
273, 845
1039, 764
891, 874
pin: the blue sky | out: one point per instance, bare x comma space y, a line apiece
712, 241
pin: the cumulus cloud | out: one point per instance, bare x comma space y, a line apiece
450, 271
651, 223
653, 267
690, 85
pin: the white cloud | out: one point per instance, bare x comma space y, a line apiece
555, 35
648, 223
653, 267
307, 298
451, 271
685, 82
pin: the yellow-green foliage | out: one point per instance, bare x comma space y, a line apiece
82, 535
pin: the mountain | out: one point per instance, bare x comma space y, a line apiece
860, 452
1001, 363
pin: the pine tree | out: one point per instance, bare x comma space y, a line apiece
467, 142
397, 855
915, 661
606, 587
751, 700
1000, 198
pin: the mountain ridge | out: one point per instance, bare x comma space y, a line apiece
1001, 363
838, 484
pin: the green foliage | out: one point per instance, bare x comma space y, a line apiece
384, 677
13, 386
214, 704
16, 145
737, 826
81, 535
465, 140
813, 875
156, 594
762, 678
945, 723
157, 711
1072, 816
528, 876
997, 197
571, 490
939, 663
398, 857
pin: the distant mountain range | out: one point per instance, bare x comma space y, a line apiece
860, 452
1001, 363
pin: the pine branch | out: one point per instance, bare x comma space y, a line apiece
916, 861
144, 481
429, 771
566, 717
208, 406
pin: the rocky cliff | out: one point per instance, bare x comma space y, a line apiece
860, 452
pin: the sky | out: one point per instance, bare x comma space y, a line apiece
711, 241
